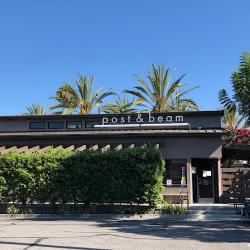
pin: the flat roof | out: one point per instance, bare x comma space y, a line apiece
28, 117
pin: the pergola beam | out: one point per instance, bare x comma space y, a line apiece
94, 147
70, 148
7, 150
81, 148
34, 149
23, 149
105, 148
118, 147
45, 149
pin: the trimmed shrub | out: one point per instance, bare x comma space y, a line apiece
126, 176
3, 188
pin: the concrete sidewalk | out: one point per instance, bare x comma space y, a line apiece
197, 212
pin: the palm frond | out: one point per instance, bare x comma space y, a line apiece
35, 109
226, 101
122, 105
81, 99
158, 91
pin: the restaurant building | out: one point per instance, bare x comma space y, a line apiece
190, 143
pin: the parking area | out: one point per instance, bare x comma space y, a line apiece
118, 233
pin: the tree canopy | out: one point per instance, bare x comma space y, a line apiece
122, 105
160, 93
82, 99
35, 109
241, 86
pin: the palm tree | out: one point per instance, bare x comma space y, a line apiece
160, 94
122, 105
232, 119
182, 105
35, 109
82, 99
241, 86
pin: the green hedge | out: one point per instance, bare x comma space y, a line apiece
125, 176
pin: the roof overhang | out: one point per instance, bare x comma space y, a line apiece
121, 133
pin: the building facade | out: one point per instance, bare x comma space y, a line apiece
190, 143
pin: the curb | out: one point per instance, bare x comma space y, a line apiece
97, 216
142, 217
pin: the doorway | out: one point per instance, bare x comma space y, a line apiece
205, 180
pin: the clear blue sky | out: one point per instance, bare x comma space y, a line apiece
44, 43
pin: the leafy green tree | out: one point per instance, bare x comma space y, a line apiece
241, 87
160, 94
35, 109
122, 105
81, 99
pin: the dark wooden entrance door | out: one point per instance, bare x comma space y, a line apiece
205, 180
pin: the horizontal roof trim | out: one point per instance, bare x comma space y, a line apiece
148, 125
27, 117
154, 132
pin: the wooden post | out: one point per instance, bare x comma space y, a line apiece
219, 178
189, 180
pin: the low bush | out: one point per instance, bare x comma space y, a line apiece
125, 176
11, 209
170, 208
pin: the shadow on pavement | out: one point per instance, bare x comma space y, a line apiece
204, 231
38, 243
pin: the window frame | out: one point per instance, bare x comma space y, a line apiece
31, 122
167, 175
86, 122
79, 122
62, 122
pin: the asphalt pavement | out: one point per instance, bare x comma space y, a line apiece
118, 233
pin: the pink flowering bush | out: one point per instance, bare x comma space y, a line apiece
238, 136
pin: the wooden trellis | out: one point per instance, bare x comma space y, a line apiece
46, 148
236, 185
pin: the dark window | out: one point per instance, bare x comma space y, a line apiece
37, 125
90, 124
56, 125
175, 171
74, 125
